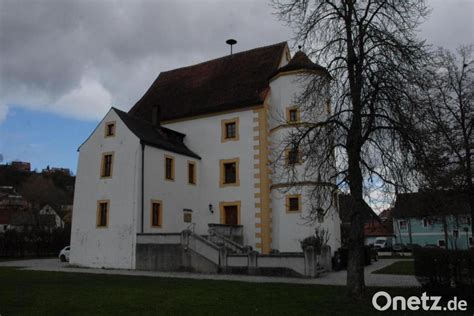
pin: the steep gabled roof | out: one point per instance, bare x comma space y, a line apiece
227, 83
431, 203
156, 136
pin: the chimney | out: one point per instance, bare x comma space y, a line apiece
155, 115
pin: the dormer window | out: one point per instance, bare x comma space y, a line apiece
293, 115
109, 129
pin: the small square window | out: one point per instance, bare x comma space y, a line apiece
229, 172
426, 222
293, 156
293, 203
230, 130
188, 216
293, 115
402, 224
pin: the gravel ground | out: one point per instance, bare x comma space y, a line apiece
331, 278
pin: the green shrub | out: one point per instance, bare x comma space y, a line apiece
449, 272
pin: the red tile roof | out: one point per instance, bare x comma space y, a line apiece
376, 228
227, 83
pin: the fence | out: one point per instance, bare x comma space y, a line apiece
33, 243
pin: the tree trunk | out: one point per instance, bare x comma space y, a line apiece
471, 205
410, 236
445, 230
355, 264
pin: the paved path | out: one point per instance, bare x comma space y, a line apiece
331, 278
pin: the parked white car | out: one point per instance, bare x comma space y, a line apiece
383, 243
64, 254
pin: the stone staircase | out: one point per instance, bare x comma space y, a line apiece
216, 253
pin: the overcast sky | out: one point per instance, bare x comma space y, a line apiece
63, 63
77, 58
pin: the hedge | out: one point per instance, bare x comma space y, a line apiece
447, 272
33, 243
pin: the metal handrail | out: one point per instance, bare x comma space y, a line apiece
227, 241
191, 227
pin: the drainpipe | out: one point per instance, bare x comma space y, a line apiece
143, 184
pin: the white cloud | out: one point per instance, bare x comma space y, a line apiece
90, 101
77, 58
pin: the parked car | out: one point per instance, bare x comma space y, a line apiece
64, 254
383, 243
398, 247
410, 247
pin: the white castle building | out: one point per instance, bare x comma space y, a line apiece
193, 154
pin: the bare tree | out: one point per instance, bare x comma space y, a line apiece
372, 53
39, 191
446, 116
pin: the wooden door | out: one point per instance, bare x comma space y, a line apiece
231, 215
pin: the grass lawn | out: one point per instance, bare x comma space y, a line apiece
399, 267
59, 293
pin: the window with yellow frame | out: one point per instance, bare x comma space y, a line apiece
109, 129
103, 211
230, 213
192, 172
169, 168
156, 213
230, 130
107, 165
293, 156
293, 203
293, 114
229, 172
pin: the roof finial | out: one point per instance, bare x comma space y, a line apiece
231, 42
299, 47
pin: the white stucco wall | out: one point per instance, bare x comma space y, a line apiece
175, 195
290, 228
203, 136
113, 246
